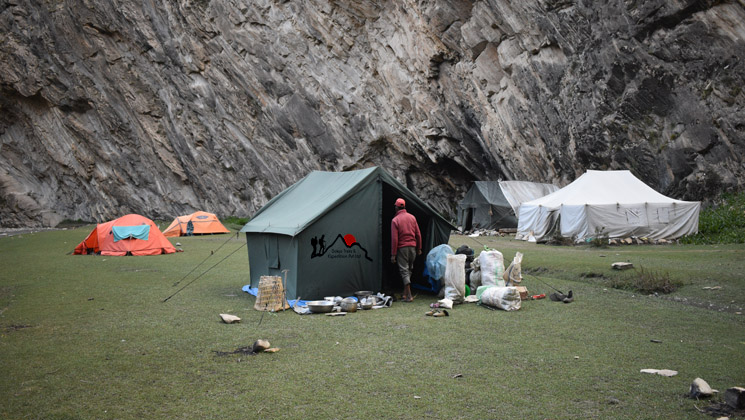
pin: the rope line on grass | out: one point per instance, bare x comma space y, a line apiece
206, 258
539, 279
205, 272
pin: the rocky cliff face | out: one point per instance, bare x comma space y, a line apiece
163, 107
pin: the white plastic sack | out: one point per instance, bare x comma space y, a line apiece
492, 268
513, 274
481, 289
507, 298
455, 278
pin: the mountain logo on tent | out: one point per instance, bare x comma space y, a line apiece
346, 251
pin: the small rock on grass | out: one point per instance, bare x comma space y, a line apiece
662, 372
260, 345
229, 319
700, 389
622, 265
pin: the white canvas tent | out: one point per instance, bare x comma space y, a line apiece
611, 204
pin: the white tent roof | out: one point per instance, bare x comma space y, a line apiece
603, 187
608, 203
518, 192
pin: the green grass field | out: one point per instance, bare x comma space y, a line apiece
89, 337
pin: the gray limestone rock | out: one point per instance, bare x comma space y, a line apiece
162, 108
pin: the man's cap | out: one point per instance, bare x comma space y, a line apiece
400, 203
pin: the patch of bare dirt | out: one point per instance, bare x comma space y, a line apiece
721, 409
247, 351
15, 327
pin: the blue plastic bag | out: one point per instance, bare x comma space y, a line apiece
437, 261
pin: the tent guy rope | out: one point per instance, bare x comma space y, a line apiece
205, 259
205, 272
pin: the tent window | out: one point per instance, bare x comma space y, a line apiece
663, 215
271, 249
633, 217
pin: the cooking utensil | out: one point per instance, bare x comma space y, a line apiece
320, 306
367, 303
348, 305
362, 294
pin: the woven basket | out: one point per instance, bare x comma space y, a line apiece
271, 296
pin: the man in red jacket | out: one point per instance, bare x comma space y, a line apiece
406, 244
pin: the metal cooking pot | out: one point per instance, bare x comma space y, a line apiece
348, 305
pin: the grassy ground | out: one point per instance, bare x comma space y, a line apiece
90, 337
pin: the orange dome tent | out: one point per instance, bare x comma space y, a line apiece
202, 223
128, 235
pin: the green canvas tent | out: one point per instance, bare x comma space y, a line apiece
484, 206
330, 235
495, 204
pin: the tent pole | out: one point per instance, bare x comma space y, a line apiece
284, 288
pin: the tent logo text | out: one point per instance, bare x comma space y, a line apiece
345, 249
